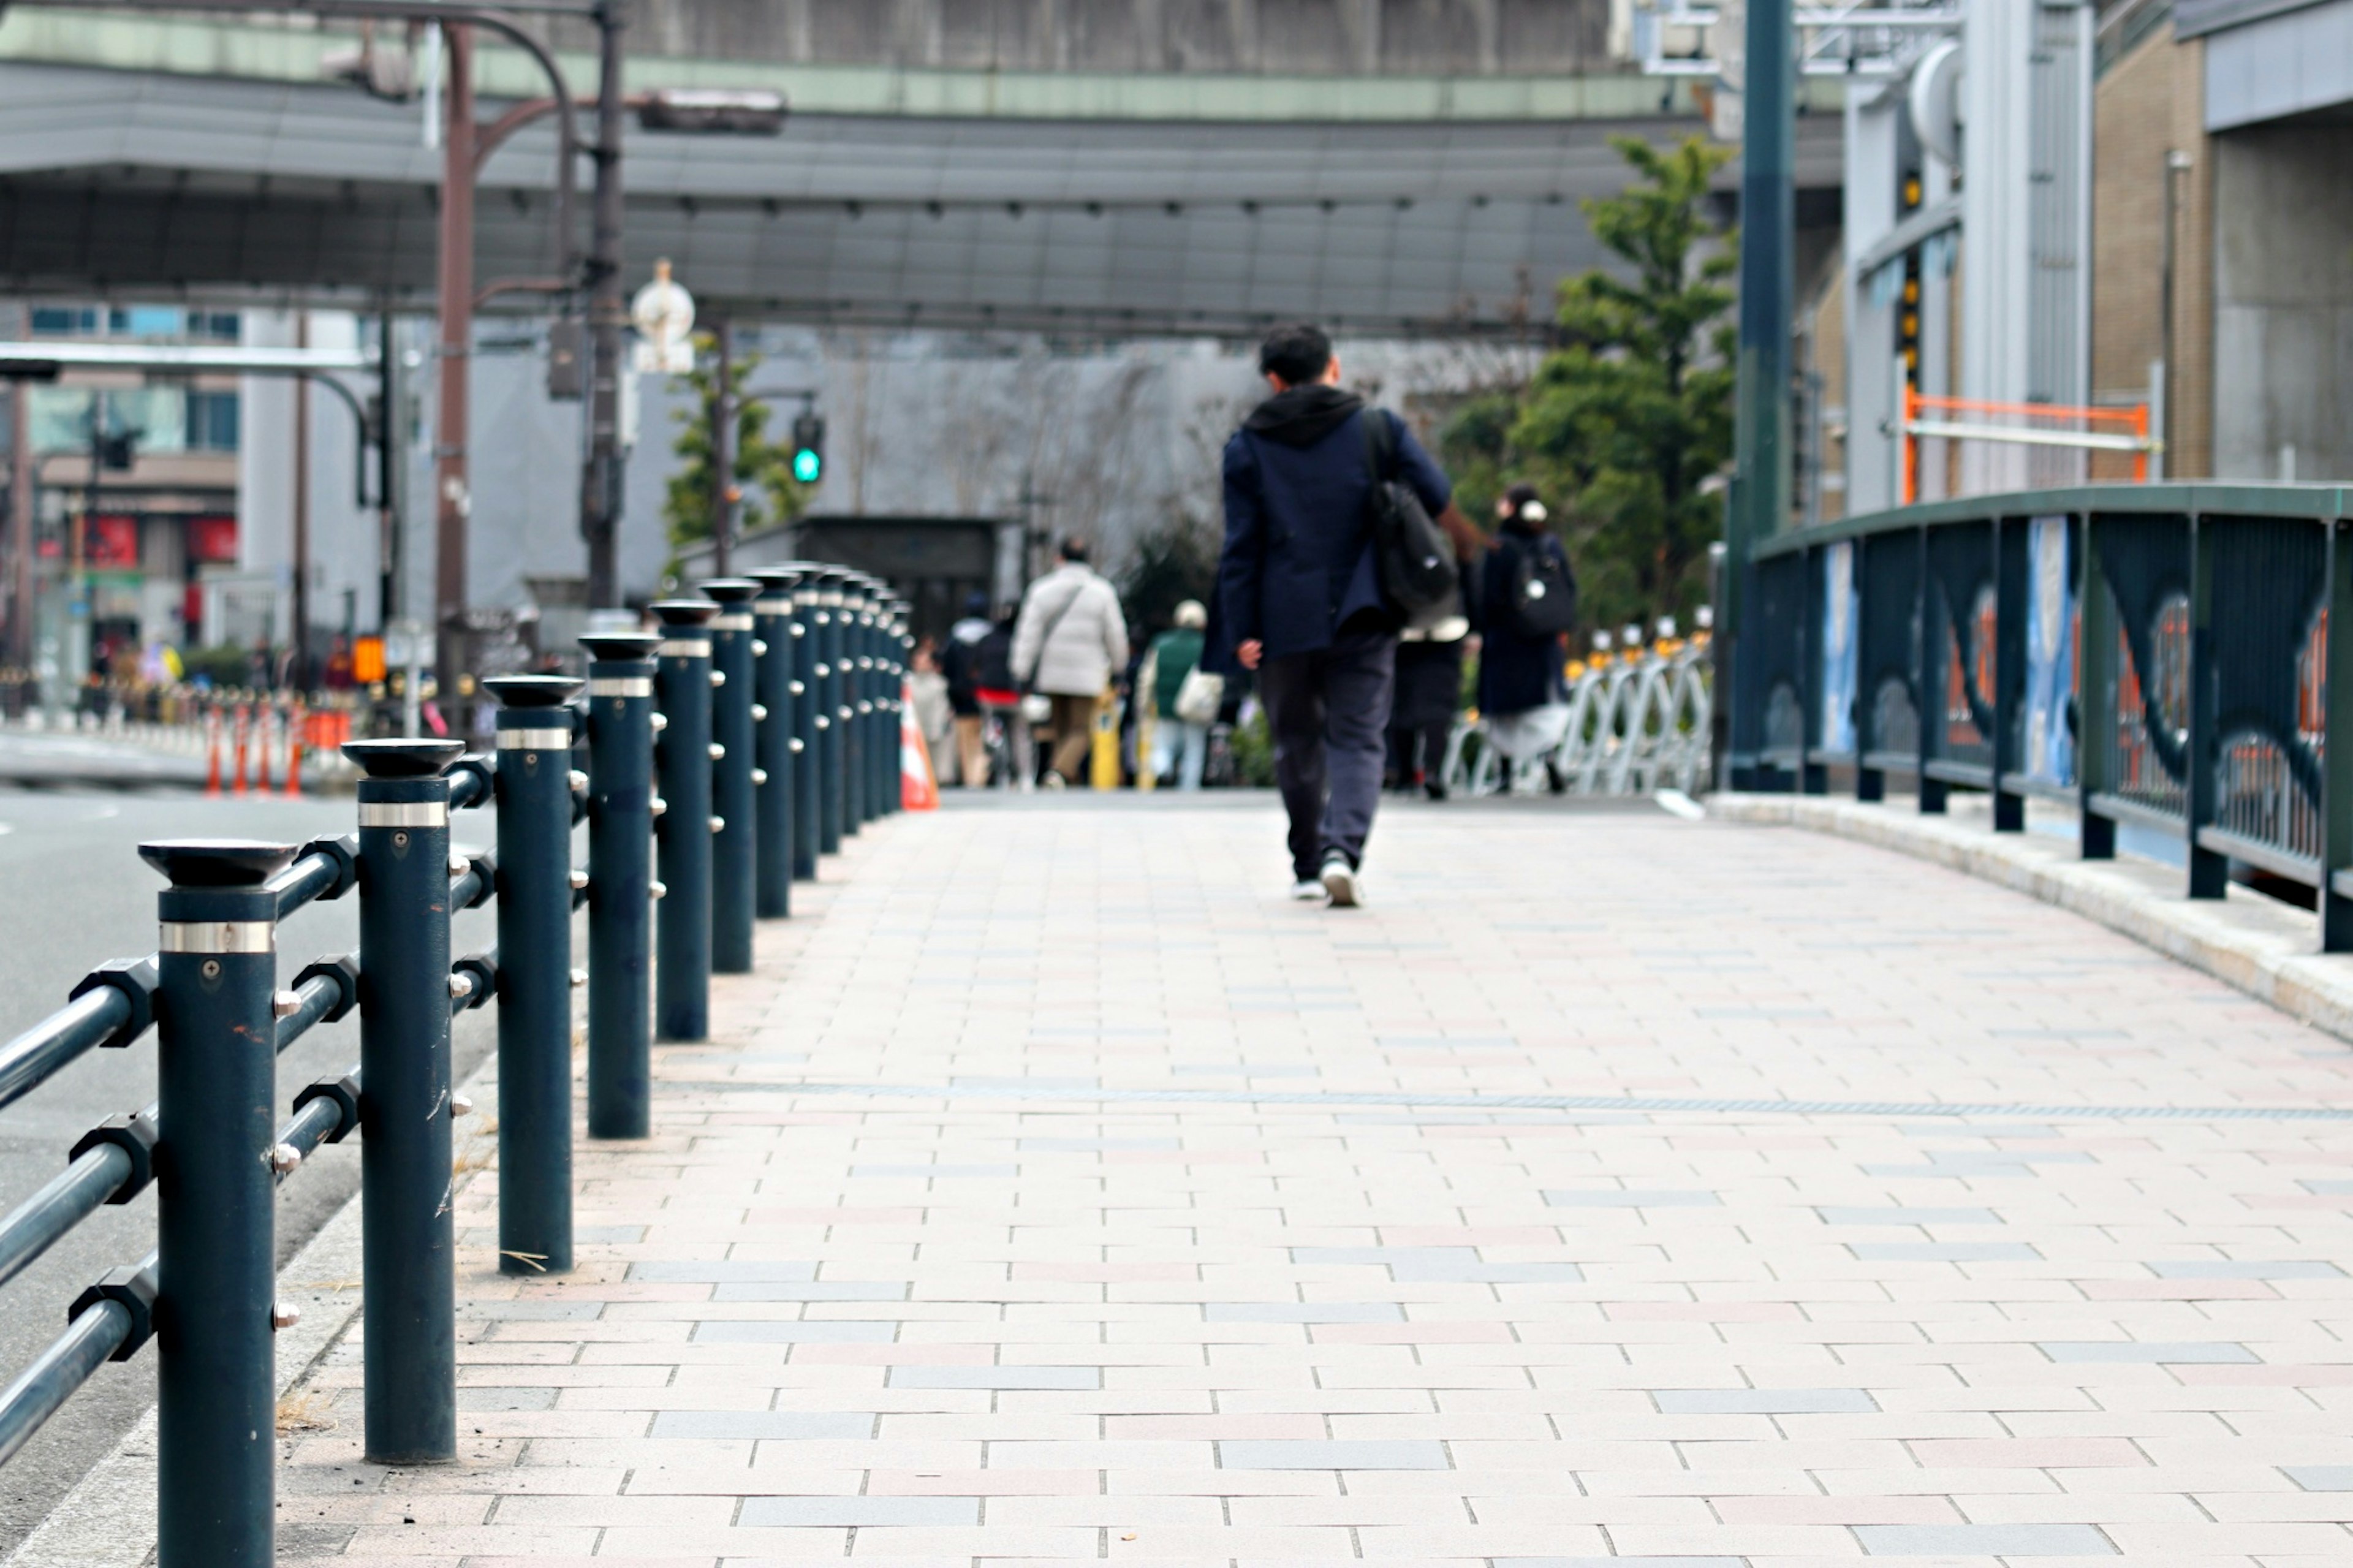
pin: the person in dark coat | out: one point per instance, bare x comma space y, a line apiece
1429, 676
1523, 690
1302, 601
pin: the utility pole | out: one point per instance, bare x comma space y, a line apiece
600, 481
723, 453
21, 642
453, 501
390, 436
1759, 504
300, 676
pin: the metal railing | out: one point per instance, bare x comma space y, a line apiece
1635, 721
2157, 657
798, 672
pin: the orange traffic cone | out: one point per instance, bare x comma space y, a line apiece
261, 728
244, 729
213, 751
918, 790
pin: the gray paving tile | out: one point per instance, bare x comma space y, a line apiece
1961, 1128
535, 1310
1307, 1454
1984, 1541
723, 1272
762, 1425
926, 1172
800, 1333
1302, 1312
1000, 1082
1893, 1214
1443, 1265
995, 1377
477, 1397
2184, 1353
1943, 1252
1618, 1562
1241, 1070
1447, 1042
1762, 1400
2237, 1269
1654, 1198
817, 1290
2321, 1478
858, 1513
2330, 1187
1090, 1146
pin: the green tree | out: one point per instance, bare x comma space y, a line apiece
1625, 424
1173, 558
763, 467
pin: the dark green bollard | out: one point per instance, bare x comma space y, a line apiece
809, 752
895, 647
735, 838
534, 980
408, 1298
825, 690
772, 615
620, 882
216, 1062
854, 739
682, 829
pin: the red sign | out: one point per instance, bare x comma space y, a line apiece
212, 539
111, 541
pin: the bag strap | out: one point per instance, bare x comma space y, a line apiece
1381, 447
1046, 639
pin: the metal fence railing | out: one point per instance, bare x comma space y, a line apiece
777, 734
2156, 655
1637, 719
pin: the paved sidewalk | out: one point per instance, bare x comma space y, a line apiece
1061, 1192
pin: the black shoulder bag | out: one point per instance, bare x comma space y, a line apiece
1411, 554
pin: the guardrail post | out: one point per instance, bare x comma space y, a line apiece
2336, 761
682, 830
847, 688
216, 1068
736, 837
620, 882
774, 746
825, 690
2095, 696
534, 972
2209, 872
408, 1298
891, 672
2010, 634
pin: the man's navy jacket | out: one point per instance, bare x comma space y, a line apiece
1298, 558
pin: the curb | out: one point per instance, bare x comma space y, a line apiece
2247, 941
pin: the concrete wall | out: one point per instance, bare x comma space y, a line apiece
2147, 104
2284, 301
1274, 38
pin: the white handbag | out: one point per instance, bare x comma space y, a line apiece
1199, 696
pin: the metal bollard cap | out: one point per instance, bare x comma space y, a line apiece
621, 647
684, 612
729, 590
531, 690
419, 759
778, 582
217, 862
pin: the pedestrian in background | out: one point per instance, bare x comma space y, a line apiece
1180, 739
960, 663
1300, 595
999, 695
1429, 674
1527, 601
1070, 638
927, 691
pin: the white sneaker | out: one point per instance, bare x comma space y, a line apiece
1307, 892
1340, 882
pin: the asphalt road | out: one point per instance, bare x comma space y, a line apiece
74, 893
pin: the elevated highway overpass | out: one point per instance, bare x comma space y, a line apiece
946, 175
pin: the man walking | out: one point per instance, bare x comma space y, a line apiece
1300, 600
1070, 638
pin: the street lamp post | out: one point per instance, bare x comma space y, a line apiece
600, 484
453, 501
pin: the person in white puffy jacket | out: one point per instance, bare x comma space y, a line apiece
1070, 637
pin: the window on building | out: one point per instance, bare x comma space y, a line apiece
212, 421
64, 320
220, 325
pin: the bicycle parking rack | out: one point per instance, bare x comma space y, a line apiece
829, 664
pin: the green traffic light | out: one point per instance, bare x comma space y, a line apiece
807, 465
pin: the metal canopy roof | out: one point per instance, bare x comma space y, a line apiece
133, 181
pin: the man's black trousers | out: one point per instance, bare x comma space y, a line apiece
1329, 713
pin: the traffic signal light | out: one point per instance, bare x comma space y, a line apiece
808, 449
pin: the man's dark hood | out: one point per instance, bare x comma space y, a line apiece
1303, 415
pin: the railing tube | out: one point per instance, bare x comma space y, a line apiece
682, 767
734, 842
215, 1068
620, 880
534, 972
409, 1277
772, 616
